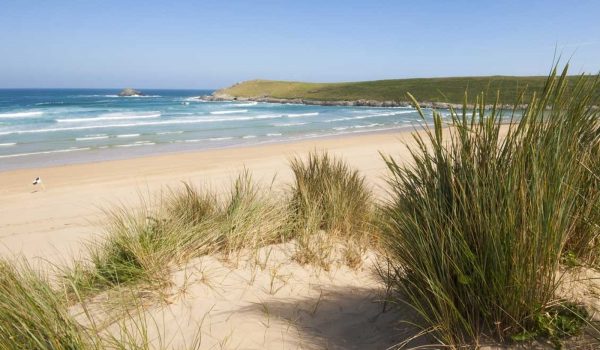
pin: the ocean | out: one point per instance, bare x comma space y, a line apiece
43, 127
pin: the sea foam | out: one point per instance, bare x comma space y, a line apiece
297, 115
244, 104
111, 116
388, 114
21, 114
46, 152
230, 112
90, 138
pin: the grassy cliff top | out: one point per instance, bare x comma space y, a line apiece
424, 89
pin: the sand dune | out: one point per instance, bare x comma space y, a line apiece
282, 305
277, 304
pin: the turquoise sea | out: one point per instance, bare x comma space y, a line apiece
41, 127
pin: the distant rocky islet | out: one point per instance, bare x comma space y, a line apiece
129, 92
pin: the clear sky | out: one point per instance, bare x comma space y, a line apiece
211, 44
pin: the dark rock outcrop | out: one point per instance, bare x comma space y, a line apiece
362, 103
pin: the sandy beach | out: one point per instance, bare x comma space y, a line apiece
280, 305
53, 222
265, 300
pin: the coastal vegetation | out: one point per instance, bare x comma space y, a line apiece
475, 234
477, 226
425, 90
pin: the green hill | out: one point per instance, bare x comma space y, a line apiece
449, 90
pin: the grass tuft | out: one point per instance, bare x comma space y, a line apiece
142, 245
330, 203
32, 316
250, 218
478, 221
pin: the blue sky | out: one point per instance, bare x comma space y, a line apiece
210, 44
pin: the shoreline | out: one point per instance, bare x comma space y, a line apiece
97, 155
53, 223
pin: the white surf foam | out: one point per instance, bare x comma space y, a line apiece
133, 145
249, 136
46, 152
137, 144
366, 126
49, 103
140, 124
274, 134
94, 95
238, 105
220, 138
90, 138
137, 96
229, 112
302, 115
388, 114
21, 114
111, 116
169, 132
8, 144
372, 125
127, 136
288, 124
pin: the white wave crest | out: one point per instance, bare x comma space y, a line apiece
230, 112
302, 115
8, 144
49, 103
111, 116
237, 105
288, 124
140, 124
127, 135
90, 138
387, 114
21, 114
221, 138
45, 152
372, 125
137, 144
249, 136
274, 134
170, 132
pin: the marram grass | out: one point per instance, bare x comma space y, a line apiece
478, 221
142, 245
33, 315
330, 204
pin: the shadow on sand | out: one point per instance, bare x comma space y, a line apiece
347, 319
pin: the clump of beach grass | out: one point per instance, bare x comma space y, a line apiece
139, 245
191, 205
479, 219
142, 245
251, 217
583, 245
330, 205
32, 315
